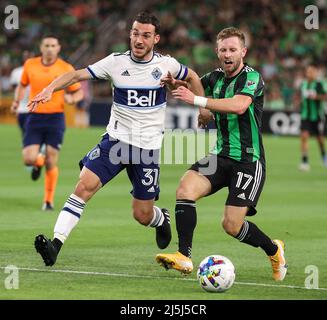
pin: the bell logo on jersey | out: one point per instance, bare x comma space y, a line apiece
144, 101
154, 97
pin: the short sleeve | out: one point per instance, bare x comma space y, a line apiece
177, 70
15, 77
205, 80
102, 68
24, 80
249, 84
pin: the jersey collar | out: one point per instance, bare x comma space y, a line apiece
134, 59
48, 65
231, 78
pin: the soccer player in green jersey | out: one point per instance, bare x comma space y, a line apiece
312, 115
237, 160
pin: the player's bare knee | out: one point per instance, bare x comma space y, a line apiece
184, 192
29, 160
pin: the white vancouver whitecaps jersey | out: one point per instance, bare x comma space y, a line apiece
15, 77
139, 102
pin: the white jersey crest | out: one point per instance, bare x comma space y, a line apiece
139, 102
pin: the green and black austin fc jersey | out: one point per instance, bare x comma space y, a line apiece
238, 136
311, 109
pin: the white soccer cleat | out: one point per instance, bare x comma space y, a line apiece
304, 167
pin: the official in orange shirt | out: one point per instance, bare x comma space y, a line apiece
46, 125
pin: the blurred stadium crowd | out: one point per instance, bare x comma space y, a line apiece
279, 45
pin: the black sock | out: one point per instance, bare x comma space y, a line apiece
252, 235
57, 244
185, 215
322, 151
305, 158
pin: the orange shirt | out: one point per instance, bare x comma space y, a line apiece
38, 76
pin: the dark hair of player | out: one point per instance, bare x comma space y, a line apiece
50, 35
147, 17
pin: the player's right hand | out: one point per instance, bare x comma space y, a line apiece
184, 94
44, 96
14, 106
168, 81
204, 117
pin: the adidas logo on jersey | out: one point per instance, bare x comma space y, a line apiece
125, 73
242, 196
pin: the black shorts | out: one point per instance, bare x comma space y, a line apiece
315, 128
244, 180
44, 128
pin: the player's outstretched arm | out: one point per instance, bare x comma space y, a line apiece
60, 83
238, 104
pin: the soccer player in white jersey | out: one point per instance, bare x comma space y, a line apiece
21, 110
134, 134
20, 107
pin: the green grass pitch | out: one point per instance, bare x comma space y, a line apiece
110, 256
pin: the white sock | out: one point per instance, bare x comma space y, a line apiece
43, 148
158, 218
68, 217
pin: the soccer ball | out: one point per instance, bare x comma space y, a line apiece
216, 273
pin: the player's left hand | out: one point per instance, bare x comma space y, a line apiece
184, 94
204, 117
14, 106
171, 82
